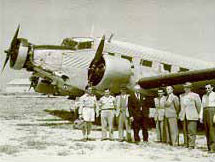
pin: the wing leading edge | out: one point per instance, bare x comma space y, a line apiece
198, 77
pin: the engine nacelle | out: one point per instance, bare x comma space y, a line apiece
111, 72
19, 55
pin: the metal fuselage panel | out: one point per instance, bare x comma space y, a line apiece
73, 64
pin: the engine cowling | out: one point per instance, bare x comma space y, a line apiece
19, 55
18, 52
110, 72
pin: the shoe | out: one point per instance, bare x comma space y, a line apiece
128, 137
211, 151
129, 141
191, 147
103, 139
137, 142
121, 140
84, 139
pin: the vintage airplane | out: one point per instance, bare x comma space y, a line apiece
68, 68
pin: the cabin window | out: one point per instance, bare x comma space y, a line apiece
167, 67
112, 54
146, 63
127, 57
183, 69
69, 42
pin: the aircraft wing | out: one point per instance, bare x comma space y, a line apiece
51, 82
198, 77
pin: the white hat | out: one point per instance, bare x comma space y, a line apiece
160, 91
137, 87
187, 85
107, 90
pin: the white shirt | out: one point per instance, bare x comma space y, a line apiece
88, 101
208, 100
107, 102
137, 95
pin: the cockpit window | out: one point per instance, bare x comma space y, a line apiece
84, 45
78, 42
69, 42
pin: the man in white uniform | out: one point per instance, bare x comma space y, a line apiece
159, 114
87, 111
107, 109
123, 115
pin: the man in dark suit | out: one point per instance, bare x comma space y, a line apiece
139, 113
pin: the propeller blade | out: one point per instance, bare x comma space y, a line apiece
111, 36
31, 85
96, 64
5, 62
100, 48
13, 42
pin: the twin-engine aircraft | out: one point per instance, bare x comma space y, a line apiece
68, 68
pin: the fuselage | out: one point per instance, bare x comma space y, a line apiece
137, 61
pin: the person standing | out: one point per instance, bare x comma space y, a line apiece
87, 111
139, 114
107, 109
189, 114
123, 115
159, 115
208, 116
170, 117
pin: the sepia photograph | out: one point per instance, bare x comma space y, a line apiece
107, 80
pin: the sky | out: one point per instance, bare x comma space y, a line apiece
184, 27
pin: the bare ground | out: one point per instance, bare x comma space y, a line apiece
28, 133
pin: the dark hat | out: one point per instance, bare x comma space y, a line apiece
187, 85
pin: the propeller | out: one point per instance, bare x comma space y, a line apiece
12, 48
110, 38
31, 85
99, 50
6, 60
96, 69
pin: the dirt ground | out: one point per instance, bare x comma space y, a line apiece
28, 133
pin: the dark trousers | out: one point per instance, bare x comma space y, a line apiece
189, 130
208, 115
140, 124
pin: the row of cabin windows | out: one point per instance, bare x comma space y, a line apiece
147, 63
